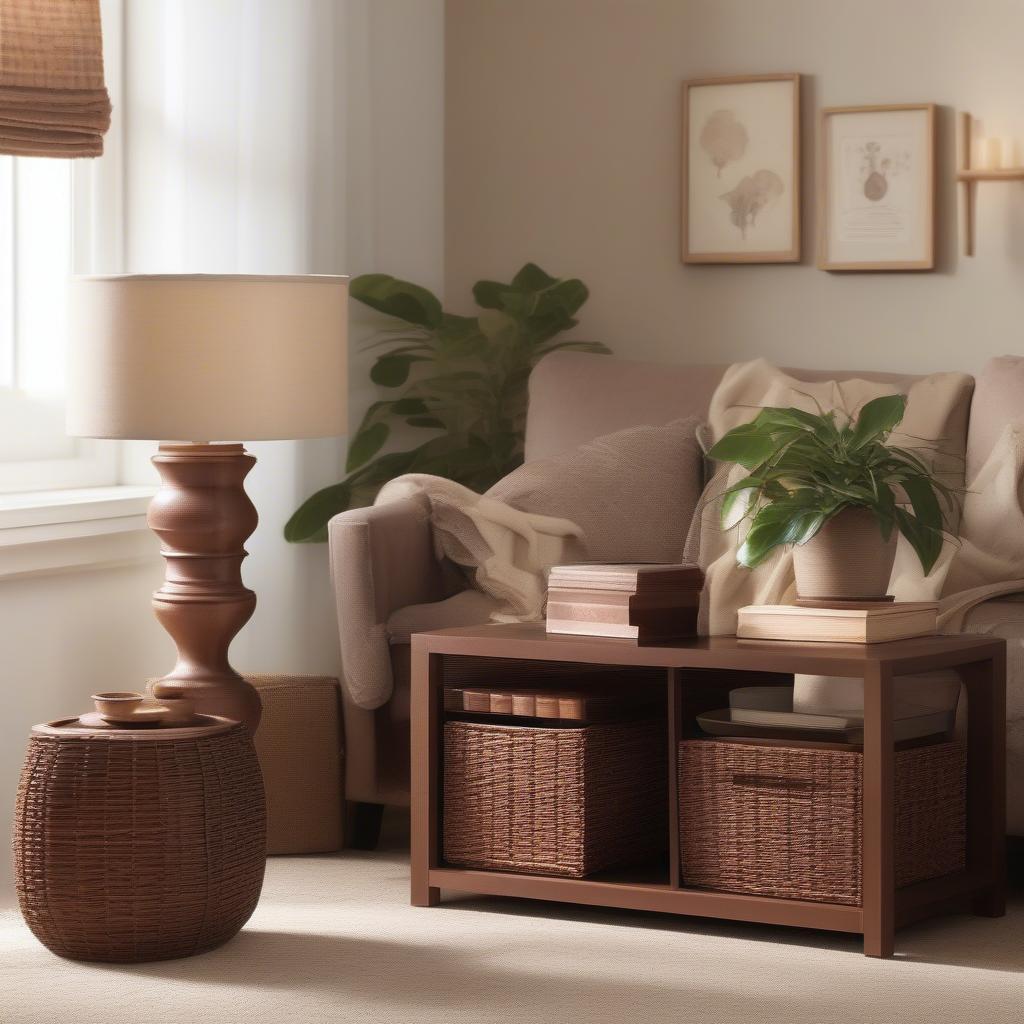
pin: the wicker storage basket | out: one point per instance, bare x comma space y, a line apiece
787, 821
134, 845
553, 800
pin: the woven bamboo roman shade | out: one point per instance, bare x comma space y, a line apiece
53, 99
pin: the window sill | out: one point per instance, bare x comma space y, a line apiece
56, 531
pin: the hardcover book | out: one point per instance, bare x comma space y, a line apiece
632, 577
895, 621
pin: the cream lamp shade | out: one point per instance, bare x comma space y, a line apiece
197, 357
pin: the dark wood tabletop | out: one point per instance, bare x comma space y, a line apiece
530, 640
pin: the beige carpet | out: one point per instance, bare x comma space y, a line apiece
334, 939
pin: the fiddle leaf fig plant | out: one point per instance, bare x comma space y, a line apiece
459, 381
804, 468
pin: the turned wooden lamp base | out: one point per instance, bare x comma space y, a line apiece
203, 517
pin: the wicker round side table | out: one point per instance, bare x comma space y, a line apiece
135, 844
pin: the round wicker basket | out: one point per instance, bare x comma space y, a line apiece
139, 844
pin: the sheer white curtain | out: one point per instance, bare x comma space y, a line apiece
286, 136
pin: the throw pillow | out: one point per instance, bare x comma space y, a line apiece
632, 492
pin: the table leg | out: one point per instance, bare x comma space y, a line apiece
424, 761
985, 682
675, 732
879, 876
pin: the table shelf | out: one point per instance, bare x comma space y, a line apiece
660, 898
695, 673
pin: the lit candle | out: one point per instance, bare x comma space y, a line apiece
992, 153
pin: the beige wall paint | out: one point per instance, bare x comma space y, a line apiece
563, 147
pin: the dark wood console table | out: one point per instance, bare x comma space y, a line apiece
980, 662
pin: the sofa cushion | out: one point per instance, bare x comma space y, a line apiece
633, 492
998, 400
577, 396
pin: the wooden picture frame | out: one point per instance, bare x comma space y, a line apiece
741, 169
898, 234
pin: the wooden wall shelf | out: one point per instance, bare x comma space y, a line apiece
1003, 174
969, 177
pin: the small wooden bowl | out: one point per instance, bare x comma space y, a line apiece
117, 705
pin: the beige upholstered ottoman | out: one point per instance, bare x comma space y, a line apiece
299, 743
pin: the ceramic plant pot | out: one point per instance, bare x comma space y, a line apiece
846, 561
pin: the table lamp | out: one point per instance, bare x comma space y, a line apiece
188, 360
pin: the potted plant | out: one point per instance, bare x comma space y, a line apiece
833, 486
457, 385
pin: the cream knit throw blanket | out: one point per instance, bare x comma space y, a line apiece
987, 560
508, 551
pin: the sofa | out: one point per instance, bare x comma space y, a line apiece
389, 584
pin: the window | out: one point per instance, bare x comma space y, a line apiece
57, 217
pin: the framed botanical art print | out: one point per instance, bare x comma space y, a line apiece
741, 169
876, 188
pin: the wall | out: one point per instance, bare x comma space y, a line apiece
64, 637
563, 125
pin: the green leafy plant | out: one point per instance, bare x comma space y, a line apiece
460, 379
804, 468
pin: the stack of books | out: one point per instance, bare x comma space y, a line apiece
867, 623
645, 602
595, 705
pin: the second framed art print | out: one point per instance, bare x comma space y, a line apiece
876, 188
741, 169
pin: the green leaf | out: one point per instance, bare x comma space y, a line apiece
565, 298
365, 445
583, 346
392, 371
488, 294
497, 326
927, 543
426, 421
532, 279
459, 337
765, 534
309, 522
821, 426
885, 509
792, 520
922, 497
409, 407
877, 418
544, 328
736, 503
744, 446
371, 413
401, 299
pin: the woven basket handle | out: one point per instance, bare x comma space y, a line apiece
772, 782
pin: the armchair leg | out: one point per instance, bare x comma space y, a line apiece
366, 822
